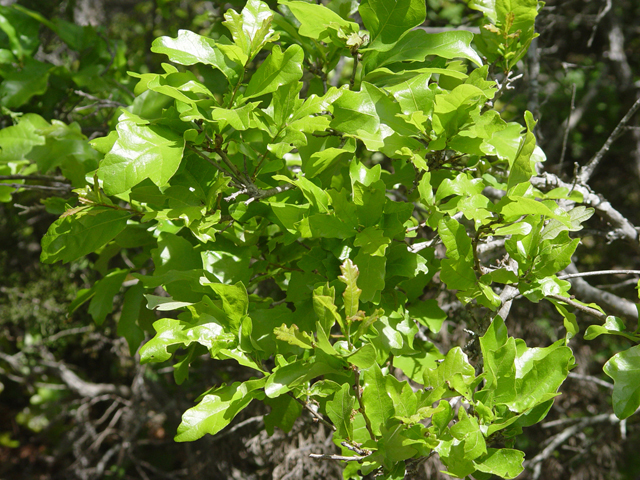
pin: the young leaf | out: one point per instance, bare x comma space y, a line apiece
280, 68
293, 336
189, 48
315, 20
352, 292
216, 410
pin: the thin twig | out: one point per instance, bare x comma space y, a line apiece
590, 378
313, 412
536, 462
585, 172
583, 308
567, 128
237, 427
600, 16
46, 178
48, 188
599, 272
325, 456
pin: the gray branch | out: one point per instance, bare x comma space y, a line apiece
622, 228
618, 306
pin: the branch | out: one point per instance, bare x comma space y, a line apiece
598, 272
590, 378
258, 194
536, 462
48, 188
622, 228
583, 308
585, 172
78, 385
325, 456
619, 306
46, 178
313, 412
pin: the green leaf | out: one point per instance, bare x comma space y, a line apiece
174, 253
364, 357
504, 462
352, 293
339, 411
624, 369
370, 115
128, 325
235, 301
429, 314
18, 140
372, 242
189, 48
102, 302
388, 20
81, 231
522, 169
416, 45
372, 275
539, 374
454, 374
216, 410
316, 20
280, 68
284, 378
377, 403
285, 410
251, 30
293, 336
22, 82
141, 151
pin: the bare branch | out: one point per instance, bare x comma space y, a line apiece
536, 462
567, 128
598, 272
583, 308
325, 456
590, 378
622, 228
585, 172
618, 306
313, 412
78, 385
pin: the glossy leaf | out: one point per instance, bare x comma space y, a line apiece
189, 48
388, 20
81, 232
216, 410
624, 369
416, 45
141, 151
378, 404
280, 68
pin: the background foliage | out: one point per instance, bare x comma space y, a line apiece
73, 396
